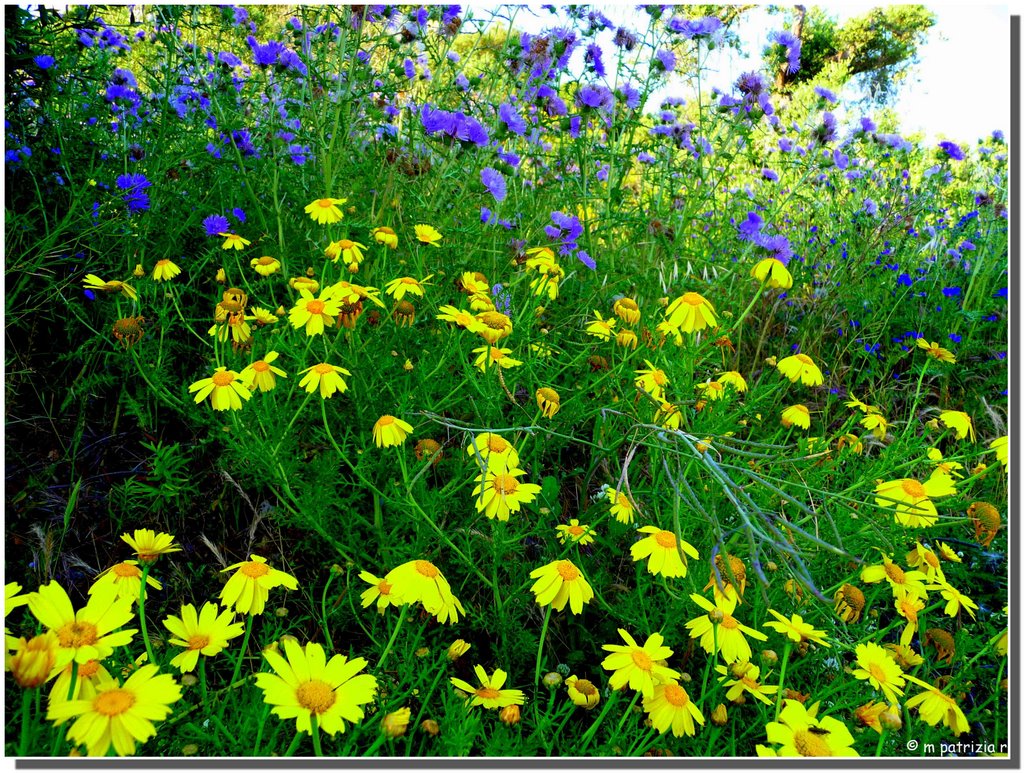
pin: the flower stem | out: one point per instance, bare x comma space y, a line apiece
294, 745
540, 647
202, 679
782, 679
625, 716
23, 741
881, 741
394, 635
242, 651
142, 613
589, 735
315, 732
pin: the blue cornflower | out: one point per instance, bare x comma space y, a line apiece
768, 174
905, 280
665, 60
494, 182
952, 150
586, 260
645, 158
593, 58
511, 118
825, 94
629, 94
867, 125
955, 338
951, 292
239, 214
870, 207
1000, 293
134, 186
216, 224
792, 44
44, 61
298, 154
596, 97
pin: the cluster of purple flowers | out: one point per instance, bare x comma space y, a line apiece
455, 126
750, 230
792, 45
566, 230
134, 187
103, 38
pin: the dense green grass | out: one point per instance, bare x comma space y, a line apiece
888, 240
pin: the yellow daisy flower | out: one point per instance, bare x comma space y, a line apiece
314, 313
876, 423
423, 582
305, 683
426, 234
548, 402
582, 692
380, 592
91, 632
90, 674
490, 356
233, 242
118, 715
911, 499
627, 310
622, 508
936, 351
150, 545
800, 367
261, 374
32, 661
879, 669
499, 493
386, 236
795, 629
490, 694
935, 707
493, 452
664, 553
461, 318
559, 583
350, 252
734, 379
1001, 446
579, 534
800, 733
774, 272
493, 326
651, 380
638, 666
165, 270
797, 415
903, 583
207, 632
960, 423
745, 682
600, 327
731, 642
126, 580
265, 265
325, 211
225, 390
690, 313
248, 589
398, 288
389, 431
93, 282
325, 377
671, 707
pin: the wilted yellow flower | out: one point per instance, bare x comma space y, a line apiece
936, 351
389, 431
800, 367
548, 402
774, 272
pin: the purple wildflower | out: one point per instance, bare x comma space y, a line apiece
215, 224
952, 150
494, 182
134, 186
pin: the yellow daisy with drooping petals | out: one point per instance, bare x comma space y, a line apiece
325, 211
490, 694
248, 589
422, 581
902, 582
880, 670
1001, 446
734, 379
955, 600
876, 423
490, 356
960, 423
671, 707
493, 452
910, 500
265, 265
325, 377
463, 319
936, 351
261, 374
207, 632
796, 415
582, 692
638, 666
601, 328
118, 715
774, 272
224, 388
908, 607
382, 234
577, 533
691, 313
732, 643
800, 367
305, 683
745, 676
93, 282
499, 493
652, 380
150, 545
935, 708
380, 592
233, 242
795, 629
92, 632
390, 431
125, 578
665, 554
398, 288
560, 583
165, 270
926, 561
493, 326
622, 508
350, 252
90, 674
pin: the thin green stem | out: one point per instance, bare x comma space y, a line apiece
394, 635
26, 734
540, 647
242, 650
782, 678
142, 613
315, 732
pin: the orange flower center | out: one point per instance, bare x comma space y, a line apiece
384, 588
88, 669
127, 570
346, 244
223, 378
408, 280
504, 484
198, 642
585, 687
266, 260
659, 377
496, 354
568, 571
77, 634
384, 421
693, 299
666, 539
325, 203
254, 569
322, 369
642, 660
316, 696
488, 693
895, 574
576, 531
877, 673
260, 366
427, 569
495, 320
497, 444
113, 702
931, 559
912, 488
810, 744
315, 307
729, 622
676, 695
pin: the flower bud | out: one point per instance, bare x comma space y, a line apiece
552, 679
395, 724
719, 716
769, 656
33, 659
716, 615
510, 715
430, 727
890, 718
457, 649
140, 272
